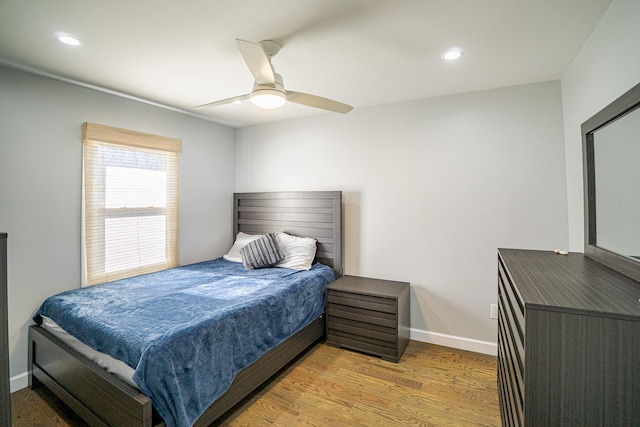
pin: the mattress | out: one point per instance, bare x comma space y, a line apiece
108, 363
187, 331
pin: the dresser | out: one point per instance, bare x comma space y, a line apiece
5, 397
568, 341
368, 315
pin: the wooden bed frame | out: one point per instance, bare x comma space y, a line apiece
101, 399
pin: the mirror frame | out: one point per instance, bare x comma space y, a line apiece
626, 103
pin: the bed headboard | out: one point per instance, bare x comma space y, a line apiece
315, 214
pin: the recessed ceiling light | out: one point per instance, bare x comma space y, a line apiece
452, 54
68, 39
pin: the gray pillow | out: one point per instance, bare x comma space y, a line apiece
262, 252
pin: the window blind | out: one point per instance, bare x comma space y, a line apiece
130, 203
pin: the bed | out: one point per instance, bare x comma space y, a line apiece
103, 399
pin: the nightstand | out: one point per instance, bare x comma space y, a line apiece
368, 315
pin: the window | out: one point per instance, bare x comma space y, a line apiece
130, 203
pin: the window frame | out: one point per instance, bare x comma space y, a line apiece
94, 210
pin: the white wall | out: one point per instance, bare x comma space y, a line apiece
606, 67
432, 188
40, 184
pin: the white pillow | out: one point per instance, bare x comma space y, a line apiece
241, 241
299, 252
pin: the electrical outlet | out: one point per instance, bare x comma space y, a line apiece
494, 311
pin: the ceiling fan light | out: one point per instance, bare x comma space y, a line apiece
268, 98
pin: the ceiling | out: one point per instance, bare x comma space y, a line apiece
181, 54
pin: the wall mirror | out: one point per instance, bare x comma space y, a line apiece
611, 156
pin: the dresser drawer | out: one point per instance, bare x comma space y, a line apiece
511, 353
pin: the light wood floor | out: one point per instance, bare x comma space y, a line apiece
431, 386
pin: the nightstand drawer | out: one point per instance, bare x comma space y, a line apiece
362, 315
365, 344
365, 329
385, 305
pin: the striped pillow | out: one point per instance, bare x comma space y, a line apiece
262, 252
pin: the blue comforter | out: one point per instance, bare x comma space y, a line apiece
189, 330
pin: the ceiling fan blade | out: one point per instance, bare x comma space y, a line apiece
225, 101
318, 102
257, 61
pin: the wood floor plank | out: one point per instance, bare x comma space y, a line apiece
327, 386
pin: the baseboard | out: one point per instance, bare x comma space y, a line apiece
460, 343
18, 382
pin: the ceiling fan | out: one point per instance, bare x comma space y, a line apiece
268, 89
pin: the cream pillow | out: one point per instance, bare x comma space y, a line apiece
241, 241
299, 252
